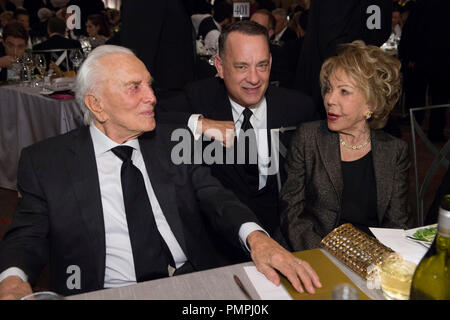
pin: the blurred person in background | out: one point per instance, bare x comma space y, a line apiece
39, 29
98, 29
282, 31
6, 5
33, 6
15, 38
265, 18
396, 21
56, 30
210, 27
331, 23
5, 17
424, 51
22, 16
113, 16
161, 35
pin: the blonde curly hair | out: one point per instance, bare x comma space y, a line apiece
375, 73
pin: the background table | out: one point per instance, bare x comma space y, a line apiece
27, 117
213, 284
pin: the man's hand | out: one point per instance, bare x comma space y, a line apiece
6, 61
14, 288
269, 256
223, 131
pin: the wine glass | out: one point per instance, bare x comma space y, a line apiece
76, 56
28, 62
40, 63
16, 69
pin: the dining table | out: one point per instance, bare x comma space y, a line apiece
27, 116
219, 284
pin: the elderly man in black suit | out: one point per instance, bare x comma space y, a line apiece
106, 203
243, 66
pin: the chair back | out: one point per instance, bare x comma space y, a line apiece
277, 148
59, 56
439, 159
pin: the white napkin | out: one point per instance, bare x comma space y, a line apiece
266, 289
397, 241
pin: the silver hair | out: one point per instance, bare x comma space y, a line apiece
44, 14
281, 12
89, 76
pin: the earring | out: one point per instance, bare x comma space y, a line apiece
368, 115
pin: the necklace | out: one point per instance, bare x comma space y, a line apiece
358, 147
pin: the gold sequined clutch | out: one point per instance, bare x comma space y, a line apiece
357, 250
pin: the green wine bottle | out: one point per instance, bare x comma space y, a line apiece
431, 280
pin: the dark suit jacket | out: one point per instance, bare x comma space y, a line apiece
4, 71
60, 219
311, 196
285, 58
421, 40
57, 42
161, 34
288, 35
285, 108
332, 23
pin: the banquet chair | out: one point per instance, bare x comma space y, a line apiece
278, 148
439, 159
59, 56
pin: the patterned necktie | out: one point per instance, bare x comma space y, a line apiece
151, 255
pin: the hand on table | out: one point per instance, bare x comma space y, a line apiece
14, 288
223, 131
269, 257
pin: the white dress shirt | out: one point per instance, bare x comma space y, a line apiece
278, 36
259, 124
119, 269
119, 257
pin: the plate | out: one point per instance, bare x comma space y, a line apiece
410, 234
46, 91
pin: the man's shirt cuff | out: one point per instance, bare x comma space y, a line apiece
246, 229
192, 125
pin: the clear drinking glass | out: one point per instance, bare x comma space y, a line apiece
40, 63
76, 56
396, 277
344, 291
28, 62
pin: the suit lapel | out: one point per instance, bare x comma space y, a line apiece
222, 106
82, 168
158, 169
384, 171
328, 147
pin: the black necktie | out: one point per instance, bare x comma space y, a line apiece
247, 136
150, 252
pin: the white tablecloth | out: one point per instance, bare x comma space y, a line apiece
27, 117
